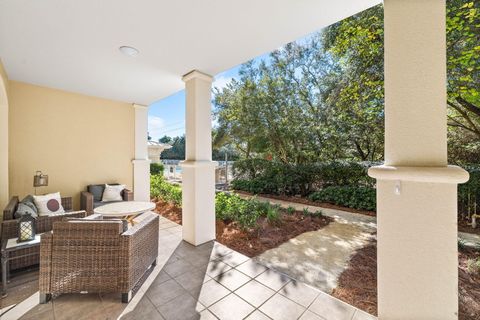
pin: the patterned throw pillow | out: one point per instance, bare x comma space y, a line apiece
28, 200
113, 193
49, 204
24, 209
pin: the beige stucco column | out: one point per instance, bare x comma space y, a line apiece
141, 164
3, 138
416, 190
198, 170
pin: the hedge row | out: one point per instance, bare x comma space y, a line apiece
271, 177
362, 198
341, 183
156, 168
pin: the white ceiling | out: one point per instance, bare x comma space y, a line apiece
73, 44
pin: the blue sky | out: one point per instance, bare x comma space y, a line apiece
167, 116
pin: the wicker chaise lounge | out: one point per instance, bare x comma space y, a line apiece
43, 224
96, 256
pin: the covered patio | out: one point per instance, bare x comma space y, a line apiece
63, 77
209, 281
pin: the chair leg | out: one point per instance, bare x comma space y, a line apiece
126, 296
154, 263
45, 297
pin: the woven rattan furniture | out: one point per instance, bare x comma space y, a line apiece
96, 256
10, 251
30, 255
89, 201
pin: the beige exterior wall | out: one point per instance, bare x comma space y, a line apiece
3, 138
76, 139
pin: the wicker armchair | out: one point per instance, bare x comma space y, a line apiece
89, 200
96, 256
43, 224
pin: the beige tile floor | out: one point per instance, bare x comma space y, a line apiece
205, 282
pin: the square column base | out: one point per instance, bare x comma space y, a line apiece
198, 201
417, 250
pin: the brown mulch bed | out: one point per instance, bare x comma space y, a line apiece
310, 203
357, 285
169, 211
254, 242
463, 225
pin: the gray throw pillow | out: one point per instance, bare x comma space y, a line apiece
24, 209
97, 191
28, 200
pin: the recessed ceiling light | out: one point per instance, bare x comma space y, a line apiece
128, 51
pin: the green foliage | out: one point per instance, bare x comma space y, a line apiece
463, 80
291, 210
363, 198
273, 177
273, 215
160, 188
316, 214
463, 42
156, 169
165, 139
355, 96
230, 207
177, 151
323, 98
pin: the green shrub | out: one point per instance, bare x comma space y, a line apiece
273, 177
461, 244
273, 216
316, 214
160, 188
291, 210
363, 198
156, 169
230, 207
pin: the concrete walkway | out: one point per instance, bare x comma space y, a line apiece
469, 239
319, 257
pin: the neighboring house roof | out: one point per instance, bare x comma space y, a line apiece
154, 145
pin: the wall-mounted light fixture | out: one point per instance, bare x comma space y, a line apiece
40, 180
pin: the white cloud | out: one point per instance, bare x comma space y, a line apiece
155, 127
221, 82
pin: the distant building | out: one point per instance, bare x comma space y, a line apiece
155, 149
